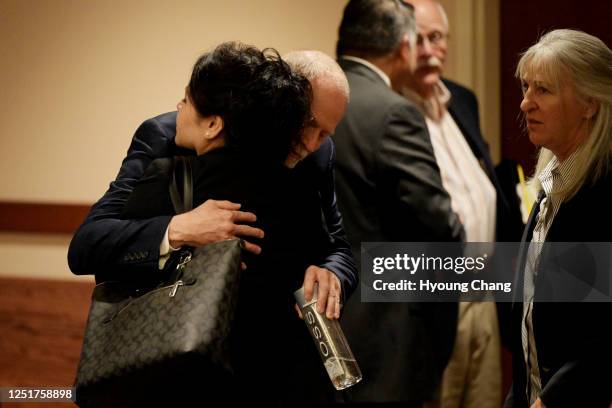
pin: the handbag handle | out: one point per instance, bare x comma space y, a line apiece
182, 166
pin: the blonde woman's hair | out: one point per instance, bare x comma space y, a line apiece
583, 62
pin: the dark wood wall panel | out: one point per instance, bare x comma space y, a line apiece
522, 22
42, 323
41, 217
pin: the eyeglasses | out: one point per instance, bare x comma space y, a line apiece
435, 38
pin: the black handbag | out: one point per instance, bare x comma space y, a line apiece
139, 337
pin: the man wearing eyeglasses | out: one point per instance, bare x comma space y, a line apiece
473, 375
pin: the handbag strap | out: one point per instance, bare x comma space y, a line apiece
182, 166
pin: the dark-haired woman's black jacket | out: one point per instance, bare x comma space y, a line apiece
275, 358
107, 244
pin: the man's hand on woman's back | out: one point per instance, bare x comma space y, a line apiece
213, 221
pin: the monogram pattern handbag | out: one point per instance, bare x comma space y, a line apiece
136, 336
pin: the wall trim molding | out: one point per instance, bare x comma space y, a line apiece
39, 217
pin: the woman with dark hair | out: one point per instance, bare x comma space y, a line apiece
239, 96
243, 113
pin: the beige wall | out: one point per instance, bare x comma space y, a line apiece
78, 77
35, 256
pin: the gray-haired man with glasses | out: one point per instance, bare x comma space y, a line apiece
473, 375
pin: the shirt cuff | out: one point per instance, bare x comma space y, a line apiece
165, 250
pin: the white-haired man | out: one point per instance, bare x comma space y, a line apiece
452, 118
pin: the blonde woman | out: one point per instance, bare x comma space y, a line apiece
562, 351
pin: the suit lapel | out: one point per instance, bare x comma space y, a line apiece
474, 140
519, 276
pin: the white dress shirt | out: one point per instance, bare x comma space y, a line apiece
473, 196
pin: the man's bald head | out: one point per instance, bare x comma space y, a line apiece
330, 94
314, 64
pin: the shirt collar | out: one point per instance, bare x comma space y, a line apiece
368, 64
567, 167
556, 168
435, 106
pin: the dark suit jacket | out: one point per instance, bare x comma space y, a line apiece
464, 110
268, 339
107, 244
275, 193
573, 340
389, 189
